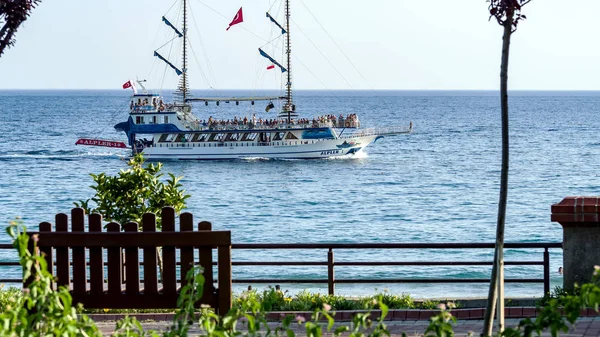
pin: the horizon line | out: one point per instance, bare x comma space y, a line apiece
208, 89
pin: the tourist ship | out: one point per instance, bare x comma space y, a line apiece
170, 131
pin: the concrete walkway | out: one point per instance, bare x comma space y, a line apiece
586, 327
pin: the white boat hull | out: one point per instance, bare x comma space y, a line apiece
315, 149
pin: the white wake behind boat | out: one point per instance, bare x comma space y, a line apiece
170, 131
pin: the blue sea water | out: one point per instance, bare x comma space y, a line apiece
439, 184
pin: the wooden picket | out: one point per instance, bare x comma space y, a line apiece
109, 275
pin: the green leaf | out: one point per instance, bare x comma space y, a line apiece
331, 321
340, 330
384, 310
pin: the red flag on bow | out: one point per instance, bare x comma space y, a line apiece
127, 85
239, 18
272, 66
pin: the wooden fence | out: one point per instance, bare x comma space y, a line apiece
115, 283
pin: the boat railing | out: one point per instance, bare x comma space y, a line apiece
143, 109
203, 126
380, 131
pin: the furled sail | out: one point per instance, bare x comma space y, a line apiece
171, 25
263, 54
179, 72
275, 22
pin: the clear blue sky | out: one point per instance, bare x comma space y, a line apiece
395, 44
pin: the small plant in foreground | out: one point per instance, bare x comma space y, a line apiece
40, 311
9, 297
561, 312
441, 325
557, 292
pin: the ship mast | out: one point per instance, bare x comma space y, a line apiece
289, 106
182, 89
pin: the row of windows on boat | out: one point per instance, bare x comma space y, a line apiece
152, 120
238, 144
227, 137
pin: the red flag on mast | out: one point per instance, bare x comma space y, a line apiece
239, 18
127, 85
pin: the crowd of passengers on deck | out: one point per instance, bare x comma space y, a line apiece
350, 120
142, 105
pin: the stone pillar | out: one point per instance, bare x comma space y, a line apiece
580, 219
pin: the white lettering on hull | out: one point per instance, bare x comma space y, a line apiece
99, 142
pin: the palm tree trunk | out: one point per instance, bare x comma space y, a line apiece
498, 256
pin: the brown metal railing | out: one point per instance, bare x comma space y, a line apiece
331, 264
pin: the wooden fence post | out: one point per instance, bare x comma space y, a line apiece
169, 265
46, 227
186, 224
62, 254
115, 263
150, 256
96, 258
206, 263
224, 270
79, 260
132, 263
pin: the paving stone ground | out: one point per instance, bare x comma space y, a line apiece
584, 327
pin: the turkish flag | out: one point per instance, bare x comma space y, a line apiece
239, 18
127, 85
272, 66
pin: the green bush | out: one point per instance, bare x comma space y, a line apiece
133, 192
277, 300
404, 301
